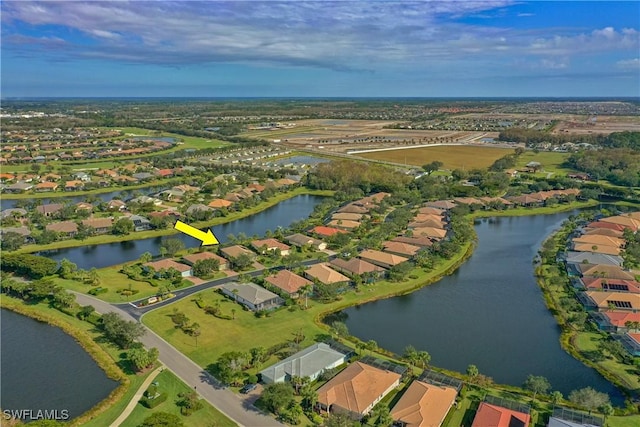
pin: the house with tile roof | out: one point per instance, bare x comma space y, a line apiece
588, 231
600, 240
101, 225
344, 224
219, 203
423, 405
66, 228
191, 259
608, 225
607, 301
270, 245
592, 258
310, 362
399, 248
441, 204
428, 210
356, 390
325, 274
252, 296
382, 259
617, 285
166, 264
489, 415
301, 240
324, 231
625, 221
46, 186
615, 321
590, 247
358, 267
232, 252
288, 282
347, 216
605, 271
74, 185
50, 209
421, 241
430, 232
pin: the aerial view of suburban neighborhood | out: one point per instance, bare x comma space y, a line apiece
340, 214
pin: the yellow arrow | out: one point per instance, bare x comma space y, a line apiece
207, 237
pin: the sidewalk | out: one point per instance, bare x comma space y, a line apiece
136, 397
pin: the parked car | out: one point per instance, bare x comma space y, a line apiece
248, 388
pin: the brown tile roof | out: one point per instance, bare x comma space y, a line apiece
235, 251
619, 318
46, 186
287, 281
271, 244
347, 216
603, 224
63, 227
441, 204
343, 223
193, 258
431, 211
600, 249
325, 274
73, 184
219, 203
400, 248
602, 232
50, 208
428, 217
598, 239
625, 221
382, 257
437, 233
165, 264
496, 416
603, 298
357, 387
98, 222
424, 405
326, 231
607, 271
355, 266
600, 283
84, 205
416, 241
426, 224
352, 208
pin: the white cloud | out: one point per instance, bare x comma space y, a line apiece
629, 63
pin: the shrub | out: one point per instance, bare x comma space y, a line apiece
97, 291
152, 403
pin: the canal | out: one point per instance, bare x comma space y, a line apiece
490, 313
281, 215
43, 368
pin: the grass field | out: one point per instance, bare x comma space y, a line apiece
550, 161
170, 384
452, 156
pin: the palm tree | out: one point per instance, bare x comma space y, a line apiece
424, 358
233, 313
472, 373
305, 291
372, 345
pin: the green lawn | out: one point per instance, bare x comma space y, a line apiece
187, 141
170, 384
550, 161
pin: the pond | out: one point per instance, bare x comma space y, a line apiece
490, 313
281, 215
43, 368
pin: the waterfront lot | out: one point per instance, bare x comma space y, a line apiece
453, 156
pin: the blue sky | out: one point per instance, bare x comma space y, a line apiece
328, 48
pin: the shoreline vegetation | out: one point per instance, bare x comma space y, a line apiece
388, 290
138, 235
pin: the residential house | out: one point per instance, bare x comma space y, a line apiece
301, 240
428, 210
421, 241
18, 187
325, 274
200, 256
356, 390
559, 422
101, 225
353, 208
84, 206
590, 247
192, 209
426, 223
617, 285
140, 223
357, 266
116, 205
608, 225
185, 188
420, 217
489, 415
166, 264
310, 362
232, 252
423, 405
430, 232
625, 221
344, 224
144, 200
46, 186
82, 176
66, 228
50, 210
14, 213
600, 240
74, 185
441, 204
608, 301
526, 200
23, 231
593, 258
252, 296
164, 173
588, 231
347, 216
398, 248
288, 282
143, 176
270, 245
615, 321
219, 203
382, 259
171, 194
606, 271
323, 231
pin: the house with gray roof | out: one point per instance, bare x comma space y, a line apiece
252, 296
13, 212
572, 258
142, 176
18, 187
310, 362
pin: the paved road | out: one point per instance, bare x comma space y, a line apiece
239, 408
138, 312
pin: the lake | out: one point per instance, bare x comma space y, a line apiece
281, 215
490, 313
43, 368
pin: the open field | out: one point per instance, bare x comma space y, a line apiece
583, 125
170, 384
550, 161
453, 156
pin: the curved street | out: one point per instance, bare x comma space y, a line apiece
239, 408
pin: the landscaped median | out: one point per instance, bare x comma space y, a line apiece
98, 240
